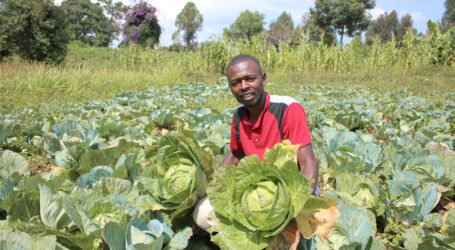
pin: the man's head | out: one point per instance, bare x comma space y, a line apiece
246, 80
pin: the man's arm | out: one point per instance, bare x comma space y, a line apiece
229, 159
308, 164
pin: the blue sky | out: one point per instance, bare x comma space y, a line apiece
219, 14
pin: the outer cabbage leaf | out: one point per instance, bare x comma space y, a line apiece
140, 234
354, 229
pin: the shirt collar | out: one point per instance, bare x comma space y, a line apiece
246, 119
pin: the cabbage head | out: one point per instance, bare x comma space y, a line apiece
178, 175
255, 201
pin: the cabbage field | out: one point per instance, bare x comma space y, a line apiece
126, 172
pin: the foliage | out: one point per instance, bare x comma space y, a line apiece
442, 46
113, 9
343, 16
387, 27
88, 23
281, 29
311, 32
141, 25
34, 30
448, 18
189, 21
246, 25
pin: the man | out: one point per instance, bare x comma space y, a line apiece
265, 120
260, 123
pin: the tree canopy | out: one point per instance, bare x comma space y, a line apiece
281, 29
246, 25
141, 25
189, 21
387, 26
309, 30
88, 23
448, 19
34, 30
346, 17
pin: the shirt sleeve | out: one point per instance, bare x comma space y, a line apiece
236, 146
295, 127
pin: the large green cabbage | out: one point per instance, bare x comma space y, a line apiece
254, 201
178, 176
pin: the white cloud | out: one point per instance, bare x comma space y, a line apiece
416, 16
376, 12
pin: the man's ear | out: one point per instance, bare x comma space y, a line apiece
264, 79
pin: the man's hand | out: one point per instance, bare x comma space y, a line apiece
229, 159
308, 164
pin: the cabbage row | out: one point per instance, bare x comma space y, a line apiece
125, 173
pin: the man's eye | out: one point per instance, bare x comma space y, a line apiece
234, 83
251, 79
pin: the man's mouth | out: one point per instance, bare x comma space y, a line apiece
248, 96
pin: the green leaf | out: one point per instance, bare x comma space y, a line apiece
449, 223
434, 244
115, 235
433, 220
117, 186
230, 236
355, 226
11, 162
180, 239
79, 216
24, 208
412, 238
50, 207
429, 201
16, 241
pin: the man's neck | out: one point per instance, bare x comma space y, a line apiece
255, 111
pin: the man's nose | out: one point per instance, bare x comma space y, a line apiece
245, 84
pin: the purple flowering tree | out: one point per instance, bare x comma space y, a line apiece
141, 25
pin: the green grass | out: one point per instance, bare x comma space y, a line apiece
98, 73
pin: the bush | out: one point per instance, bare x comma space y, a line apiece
34, 30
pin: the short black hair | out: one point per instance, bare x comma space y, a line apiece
244, 58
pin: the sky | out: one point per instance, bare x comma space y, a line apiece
219, 14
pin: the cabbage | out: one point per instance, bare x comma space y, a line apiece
178, 176
255, 201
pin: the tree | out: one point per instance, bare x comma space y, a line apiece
281, 29
383, 28
141, 25
113, 10
246, 25
189, 21
311, 31
387, 26
34, 30
88, 23
448, 19
343, 16
405, 25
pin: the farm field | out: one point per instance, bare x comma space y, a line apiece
96, 174
115, 117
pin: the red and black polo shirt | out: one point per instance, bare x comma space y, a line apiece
282, 118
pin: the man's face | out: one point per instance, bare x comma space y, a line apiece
246, 83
